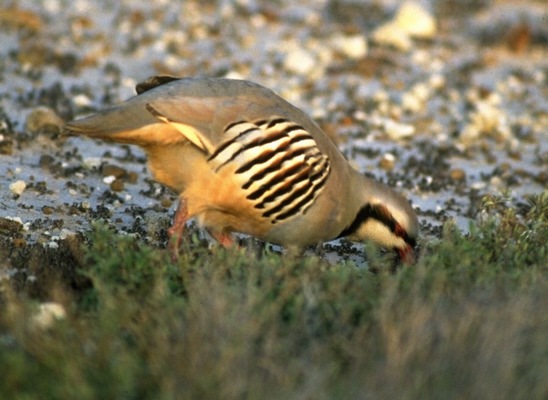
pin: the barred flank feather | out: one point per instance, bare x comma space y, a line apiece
277, 163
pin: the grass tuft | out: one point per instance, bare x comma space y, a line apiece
467, 321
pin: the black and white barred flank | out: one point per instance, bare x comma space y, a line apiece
277, 164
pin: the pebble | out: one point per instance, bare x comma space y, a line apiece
486, 119
415, 99
387, 162
18, 187
416, 21
109, 179
166, 202
113, 170
411, 21
353, 47
91, 162
11, 225
81, 100
132, 177
117, 185
391, 34
397, 130
299, 61
47, 210
43, 120
457, 174
48, 313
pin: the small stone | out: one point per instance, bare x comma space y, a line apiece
457, 175
415, 99
6, 144
113, 170
486, 119
166, 202
132, 177
413, 19
47, 210
109, 179
299, 61
92, 162
18, 187
496, 182
392, 35
117, 185
10, 226
81, 100
43, 120
47, 314
396, 130
387, 162
353, 47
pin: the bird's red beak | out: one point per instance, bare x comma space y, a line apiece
407, 255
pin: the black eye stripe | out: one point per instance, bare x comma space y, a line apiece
380, 213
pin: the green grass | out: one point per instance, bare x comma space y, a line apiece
468, 321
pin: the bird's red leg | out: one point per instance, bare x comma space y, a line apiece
224, 238
175, 231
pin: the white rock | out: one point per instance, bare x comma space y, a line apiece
109, 179
81, 100
411, 20
51, 245
396, 130
415, 99
392, 35
354, 47
389, 157
92, 162
415, 20
486, 119
15, 219
496, 182
234, 75
437, 81
47, 314
299, 61
18, 187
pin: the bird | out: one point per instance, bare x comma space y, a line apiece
244, 160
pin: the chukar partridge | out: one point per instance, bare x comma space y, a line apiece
244, 160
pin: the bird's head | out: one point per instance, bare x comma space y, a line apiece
386, 218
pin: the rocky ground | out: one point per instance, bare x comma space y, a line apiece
447, 101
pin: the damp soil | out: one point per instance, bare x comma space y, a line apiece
458, 116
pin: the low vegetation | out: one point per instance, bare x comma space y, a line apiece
467, 321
